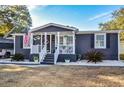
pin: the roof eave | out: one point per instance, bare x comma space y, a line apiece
53, 24
107, 31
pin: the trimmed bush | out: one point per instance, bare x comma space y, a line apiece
94, 56
121, 56
7, 55
18, 57
79, 56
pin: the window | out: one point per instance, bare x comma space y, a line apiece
100, 40
69, 40
66, 44
61, 40
66, 40
36, 39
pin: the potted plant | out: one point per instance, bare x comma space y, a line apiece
79, 57
36, 59
67, 60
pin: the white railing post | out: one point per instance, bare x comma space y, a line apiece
40, 48
31, 42
58, 41
14, 44
41, 41
73, 42
45, 42
56, 54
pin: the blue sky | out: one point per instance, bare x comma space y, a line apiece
84, 17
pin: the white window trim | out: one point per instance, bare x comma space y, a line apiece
98, 47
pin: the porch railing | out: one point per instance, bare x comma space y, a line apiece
42, 53
35, 49
56, 54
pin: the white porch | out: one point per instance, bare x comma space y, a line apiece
56, 43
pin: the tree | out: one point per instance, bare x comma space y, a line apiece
16, 16
117, 22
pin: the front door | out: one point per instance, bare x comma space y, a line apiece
50, 43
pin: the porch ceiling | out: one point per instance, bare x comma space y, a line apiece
54, 33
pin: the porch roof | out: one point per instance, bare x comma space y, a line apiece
4, 40
53, 27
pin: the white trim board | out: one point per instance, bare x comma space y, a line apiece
18, 34
14, 43
92, 32
118, 46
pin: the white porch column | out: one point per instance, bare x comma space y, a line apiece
41, 41
58, 40
50, 43
14, 43
73, 42
45, 41
119, 46
31, 43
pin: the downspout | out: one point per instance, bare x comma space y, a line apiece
119, 45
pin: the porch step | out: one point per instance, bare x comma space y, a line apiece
47, 63
49, 59
50, 55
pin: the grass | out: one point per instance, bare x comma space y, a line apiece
61, 76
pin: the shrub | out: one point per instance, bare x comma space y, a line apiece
79, 57
121, 56
7, 55
94, 56
18, 57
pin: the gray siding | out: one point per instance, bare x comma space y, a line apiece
6, 45
52, 29
84, 44
19, 47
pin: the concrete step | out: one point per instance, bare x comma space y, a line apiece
46, 62
49, 60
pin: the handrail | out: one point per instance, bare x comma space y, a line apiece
56, 55
42, 54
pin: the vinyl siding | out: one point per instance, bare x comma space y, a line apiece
84, 41
19, 47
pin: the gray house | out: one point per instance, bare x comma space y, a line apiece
53, 43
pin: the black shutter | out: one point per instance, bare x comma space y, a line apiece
108, 40
21, 41
92, 40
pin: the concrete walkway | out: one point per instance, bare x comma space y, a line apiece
104, 63
81, 63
